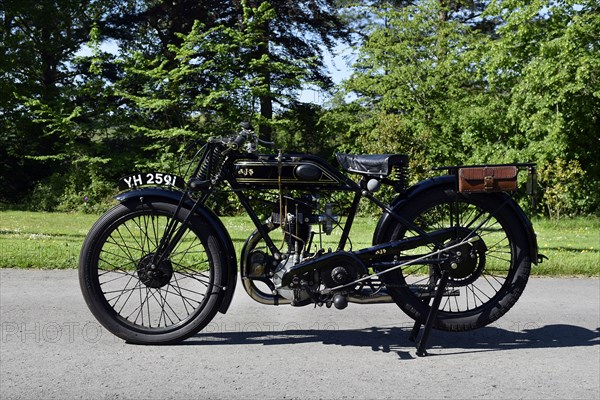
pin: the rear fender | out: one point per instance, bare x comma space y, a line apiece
386, 218
411, 193
149, 195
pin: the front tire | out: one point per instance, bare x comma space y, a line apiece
141, 302
492, 272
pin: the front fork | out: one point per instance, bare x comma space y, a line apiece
173, 234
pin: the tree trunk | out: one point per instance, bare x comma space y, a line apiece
266, 99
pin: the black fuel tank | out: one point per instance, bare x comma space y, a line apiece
291, 172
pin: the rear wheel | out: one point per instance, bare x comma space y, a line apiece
138, 299
486, 277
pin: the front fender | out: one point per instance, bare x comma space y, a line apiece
432, 184
148, 195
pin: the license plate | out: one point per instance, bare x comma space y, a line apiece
151, 179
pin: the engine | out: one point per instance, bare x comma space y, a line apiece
300, 291
297, 216
303, 221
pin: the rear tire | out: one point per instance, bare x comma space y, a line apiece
492, 274
140, 302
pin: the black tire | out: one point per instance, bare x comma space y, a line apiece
132, 303
492, 276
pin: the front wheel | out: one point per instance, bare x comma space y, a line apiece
486, 277
138, 299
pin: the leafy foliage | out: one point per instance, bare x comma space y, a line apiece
182, 71
546, 68
428, 84
93, 90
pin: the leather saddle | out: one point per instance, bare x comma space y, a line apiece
372, 165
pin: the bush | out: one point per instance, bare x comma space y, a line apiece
65, 192
566, 189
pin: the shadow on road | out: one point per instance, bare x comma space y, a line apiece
390, 340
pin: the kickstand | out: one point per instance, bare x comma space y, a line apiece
437, 299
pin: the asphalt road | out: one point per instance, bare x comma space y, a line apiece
547, 346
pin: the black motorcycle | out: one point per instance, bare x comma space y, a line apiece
454, 252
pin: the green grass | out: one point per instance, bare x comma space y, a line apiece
53, 240
42, 240
571, 245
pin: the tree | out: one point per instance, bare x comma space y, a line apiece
411, 72
545, 67
38, 42
182, 69
251, 66
295, 34
429, 85
298, 31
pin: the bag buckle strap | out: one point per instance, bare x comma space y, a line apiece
488, 183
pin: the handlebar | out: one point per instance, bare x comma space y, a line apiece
245, 137
265, 142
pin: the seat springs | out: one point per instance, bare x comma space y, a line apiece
400, 176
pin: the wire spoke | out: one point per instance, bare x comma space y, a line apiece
140, 303
463, 217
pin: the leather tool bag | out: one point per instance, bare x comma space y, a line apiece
487, 179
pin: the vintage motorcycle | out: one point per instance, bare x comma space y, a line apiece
454, 252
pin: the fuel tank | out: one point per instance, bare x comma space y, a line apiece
288, 172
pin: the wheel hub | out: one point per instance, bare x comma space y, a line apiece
154, 275
467, 261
